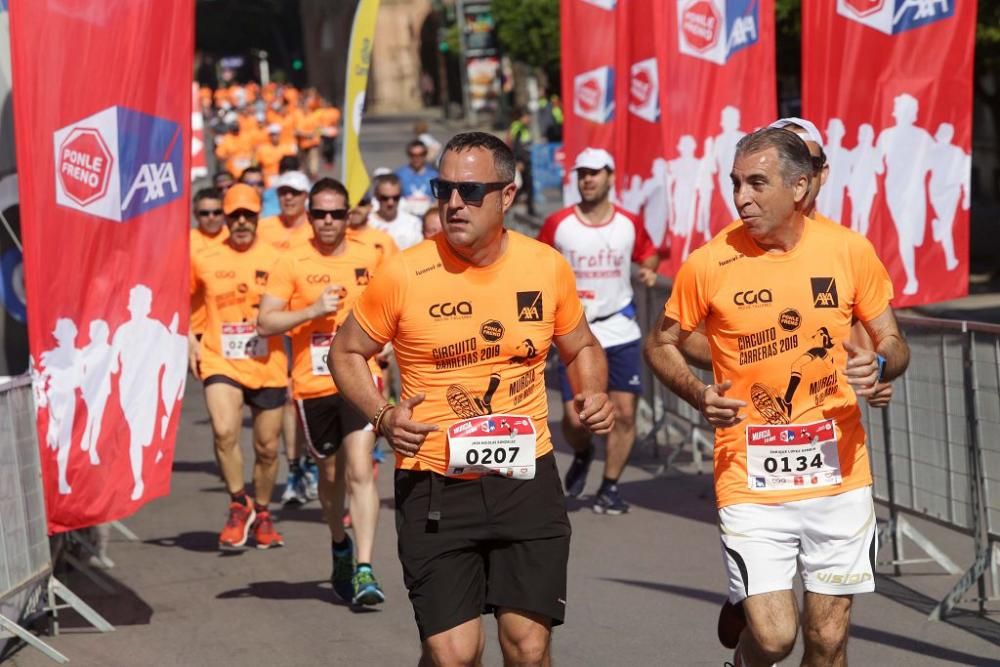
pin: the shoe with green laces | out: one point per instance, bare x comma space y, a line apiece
366, 589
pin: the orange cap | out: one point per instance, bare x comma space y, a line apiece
241, 196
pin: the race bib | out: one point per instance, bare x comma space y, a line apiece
240, 341
493, 444
792, 456
319, 348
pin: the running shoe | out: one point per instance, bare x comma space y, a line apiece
609, 501
264, 533
732, 620
343, 572
310, 472
295, 488
576, 476
366, 589
241, 517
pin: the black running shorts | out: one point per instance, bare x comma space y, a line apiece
499, 543
325, 422
263, 398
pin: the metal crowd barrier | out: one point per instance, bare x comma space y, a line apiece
27, 588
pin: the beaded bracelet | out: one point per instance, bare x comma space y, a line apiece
379, 415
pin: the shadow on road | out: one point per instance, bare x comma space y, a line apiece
688, 496
201, 541
916, 646
712, 597
292, 590
121, 607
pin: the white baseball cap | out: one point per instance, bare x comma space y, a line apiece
274, 128
594, 158
295, 180
811, 131
381, 171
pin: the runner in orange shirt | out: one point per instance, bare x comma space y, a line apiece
234, 150
290, 228
269, 155
777, 293
239, 367
472, 313
311, 291
307, 133
210, 232
359, 229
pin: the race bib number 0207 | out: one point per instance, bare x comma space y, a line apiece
792, 456
493, 444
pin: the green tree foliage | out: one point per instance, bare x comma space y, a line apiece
529, 32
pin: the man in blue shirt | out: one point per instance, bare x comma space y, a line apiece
415, 178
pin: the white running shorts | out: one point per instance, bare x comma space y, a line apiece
834, 539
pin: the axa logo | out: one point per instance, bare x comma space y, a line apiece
824, 291
895, 16
753, 298
118, 163
714, 30
529, 306
644, 90
594, 94
450, 310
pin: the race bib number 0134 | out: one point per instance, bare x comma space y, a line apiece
792, 456
493, 444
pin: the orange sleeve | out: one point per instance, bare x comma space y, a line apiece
873, 284
689, 299
380, 305
281, 282
569, 310
195, 284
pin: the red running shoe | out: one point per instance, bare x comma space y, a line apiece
265, 534
234, 535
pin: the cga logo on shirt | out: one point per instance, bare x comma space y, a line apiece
714, 30
529, 306
594, 95
118, 163
895, 16
449, 310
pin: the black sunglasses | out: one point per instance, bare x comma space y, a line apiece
388, 197
336, 213
215, 212
242, 213
471, 192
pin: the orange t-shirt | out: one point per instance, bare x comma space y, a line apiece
298, 279
274, 232
776, 325
200, 241
472, 339
233, 282
307, 129
268, 156
376, 238
236, 151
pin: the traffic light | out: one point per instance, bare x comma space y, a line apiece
297, 64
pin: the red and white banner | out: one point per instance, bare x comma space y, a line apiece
641, 169
889, 82
588, 80
717, 82
103, 125
199, 167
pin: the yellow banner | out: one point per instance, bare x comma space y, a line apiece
353, 172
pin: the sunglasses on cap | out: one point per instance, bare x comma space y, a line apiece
471, 192
320, 214
214, 212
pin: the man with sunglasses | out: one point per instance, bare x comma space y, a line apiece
480, 513
290, 228
415, 178
403, 227
209, 232
310, 294
238, 367
600, 241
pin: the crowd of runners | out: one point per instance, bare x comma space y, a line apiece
410, 316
